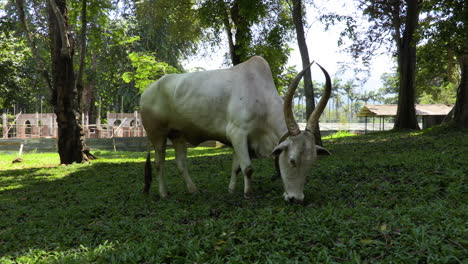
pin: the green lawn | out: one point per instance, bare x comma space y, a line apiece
382, 198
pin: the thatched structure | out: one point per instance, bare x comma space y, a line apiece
432, 114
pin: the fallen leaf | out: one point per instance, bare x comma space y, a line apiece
220, 242
383, 228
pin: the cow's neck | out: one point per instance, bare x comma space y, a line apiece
265, 138
272, 129
280, 131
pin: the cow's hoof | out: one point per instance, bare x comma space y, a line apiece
249, 196
232, 188
192, 190
295, 201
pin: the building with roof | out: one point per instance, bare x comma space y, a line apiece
431, 114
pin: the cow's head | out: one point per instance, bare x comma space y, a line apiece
298, 151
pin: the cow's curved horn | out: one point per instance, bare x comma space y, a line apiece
291, 123
312, 122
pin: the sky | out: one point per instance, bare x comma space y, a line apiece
323, 48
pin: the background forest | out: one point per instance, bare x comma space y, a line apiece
129, 44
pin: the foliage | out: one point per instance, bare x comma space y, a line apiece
299, 111
170, 29
361, 40
389, 87
444, 26
237, 17
383, 30
21, 85
109, 41
285, 78
438, 72
12, 68
442, 39
350, 90
147, 70
431, 85
109, 55
261, 28
272, 41
380, 198
444, 95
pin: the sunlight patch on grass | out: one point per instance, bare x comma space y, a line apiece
10, 187
29, 160
204, 151
78, 255
416, 133
340, 134
121, 156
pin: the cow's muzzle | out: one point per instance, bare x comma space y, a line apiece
294, 199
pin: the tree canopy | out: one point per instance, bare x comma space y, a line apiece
129, 44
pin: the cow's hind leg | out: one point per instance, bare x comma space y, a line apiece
180, 146
148, 173
160, 148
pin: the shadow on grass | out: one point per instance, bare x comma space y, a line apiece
83, 205
378, 196
21, 178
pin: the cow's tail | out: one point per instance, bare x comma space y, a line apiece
148, 172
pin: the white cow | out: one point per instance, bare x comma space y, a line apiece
240, 107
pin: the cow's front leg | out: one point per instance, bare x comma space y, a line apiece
239, 142
181, 159
234, 171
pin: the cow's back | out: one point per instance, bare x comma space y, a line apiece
204, 105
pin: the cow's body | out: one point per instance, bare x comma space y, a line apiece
217, 105
239, 106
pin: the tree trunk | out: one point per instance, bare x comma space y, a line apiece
232, 47
460, 114
406, 113
308, 86
88, 100
242, 32
65, 100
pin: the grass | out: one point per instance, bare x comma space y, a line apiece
392, 197
339, 134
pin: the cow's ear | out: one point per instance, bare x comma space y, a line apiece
278, 149
322, 151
